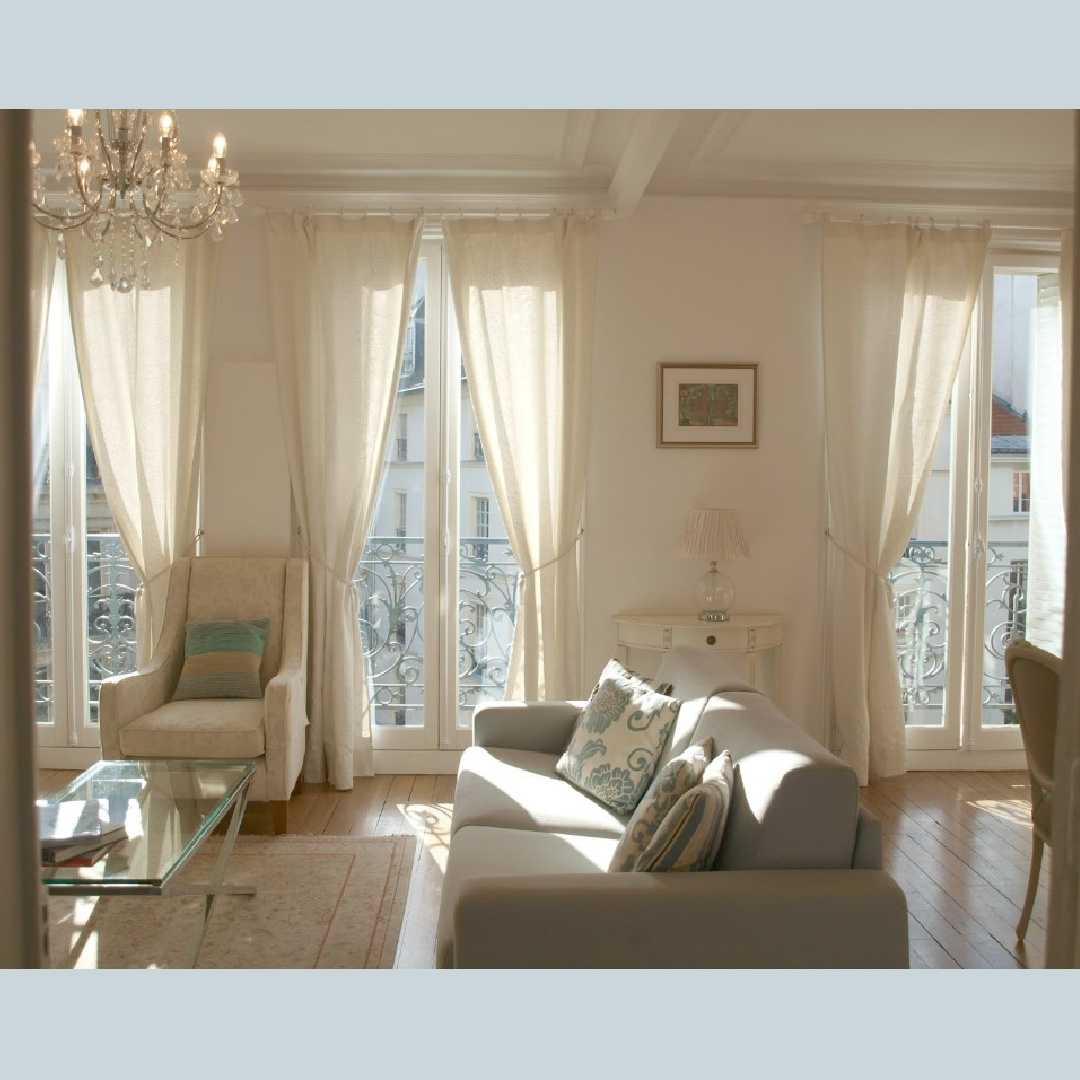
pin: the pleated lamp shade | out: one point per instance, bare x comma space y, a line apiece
714, 536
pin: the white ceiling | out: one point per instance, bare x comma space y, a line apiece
609, 158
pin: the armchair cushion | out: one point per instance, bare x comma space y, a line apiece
222, 659
205, 728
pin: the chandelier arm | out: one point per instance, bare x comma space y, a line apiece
59, 222
91, 204
193, 230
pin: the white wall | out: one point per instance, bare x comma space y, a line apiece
247, 507
699, 280
681, 279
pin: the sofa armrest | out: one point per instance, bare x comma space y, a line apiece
868, 854
543, 726
726, 919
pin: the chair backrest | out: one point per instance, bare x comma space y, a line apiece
241, 587
1033, 675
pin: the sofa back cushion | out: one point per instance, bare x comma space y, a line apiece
241, 587
695, 674
794, 805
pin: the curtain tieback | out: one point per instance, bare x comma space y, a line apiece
312, 557
168, 569
883, 578
557, 558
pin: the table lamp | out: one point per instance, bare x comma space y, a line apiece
714, 536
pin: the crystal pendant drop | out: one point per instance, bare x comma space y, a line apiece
125, 284
97, 277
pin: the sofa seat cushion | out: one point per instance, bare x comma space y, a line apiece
206, 728
482, 852
519, 789
794, 805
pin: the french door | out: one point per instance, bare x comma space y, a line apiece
963, 588
84, 585
437, 580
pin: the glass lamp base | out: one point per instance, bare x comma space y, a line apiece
715, 596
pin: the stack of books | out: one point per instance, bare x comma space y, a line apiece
77, 832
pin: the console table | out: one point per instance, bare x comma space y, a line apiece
753, 642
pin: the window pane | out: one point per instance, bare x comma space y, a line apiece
487, 578
110, 591
390, 576
920, 582
41, 558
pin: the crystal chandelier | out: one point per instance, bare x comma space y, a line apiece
123, 191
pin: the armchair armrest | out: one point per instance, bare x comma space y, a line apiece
526, 725
723, 918
286, 693
124, 698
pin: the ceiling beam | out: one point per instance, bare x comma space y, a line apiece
645, 146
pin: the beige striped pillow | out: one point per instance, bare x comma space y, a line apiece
223, 659
690, 835
675, 779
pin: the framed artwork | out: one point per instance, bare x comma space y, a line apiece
706, 405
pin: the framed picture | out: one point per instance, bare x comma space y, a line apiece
706, 404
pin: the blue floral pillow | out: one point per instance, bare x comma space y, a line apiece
617, 738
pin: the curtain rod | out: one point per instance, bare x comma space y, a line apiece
958, 219
436, 212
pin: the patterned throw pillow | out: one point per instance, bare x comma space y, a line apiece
222, 659
690, 835
616, 741
673, 781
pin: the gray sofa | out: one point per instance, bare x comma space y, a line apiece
797, 881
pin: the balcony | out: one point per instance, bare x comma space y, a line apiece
111, 583
920, 585
390, 586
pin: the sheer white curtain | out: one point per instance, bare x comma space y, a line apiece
1049, 455
341, 292
524, 293
142, 361
43, 248
896, 305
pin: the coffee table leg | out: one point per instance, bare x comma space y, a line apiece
215, 885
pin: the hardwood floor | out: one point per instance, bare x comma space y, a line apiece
958, 843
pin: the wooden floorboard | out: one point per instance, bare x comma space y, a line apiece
958, 843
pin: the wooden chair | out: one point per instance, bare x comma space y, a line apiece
1033, 675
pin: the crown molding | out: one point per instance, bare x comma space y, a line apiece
909, 183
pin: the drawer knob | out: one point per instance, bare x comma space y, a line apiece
711, 639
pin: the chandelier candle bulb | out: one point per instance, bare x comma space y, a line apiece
219, 147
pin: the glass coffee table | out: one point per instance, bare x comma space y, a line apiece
171, 807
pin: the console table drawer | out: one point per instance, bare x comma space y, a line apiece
757, 639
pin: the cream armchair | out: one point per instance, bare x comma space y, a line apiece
140, 719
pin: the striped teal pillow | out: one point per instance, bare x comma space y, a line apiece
222, 659
689, 836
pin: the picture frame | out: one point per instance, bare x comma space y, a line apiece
706, 405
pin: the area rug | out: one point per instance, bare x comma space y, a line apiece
321, 902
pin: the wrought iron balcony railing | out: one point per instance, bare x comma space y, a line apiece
110, 618
920, 585
390, 585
